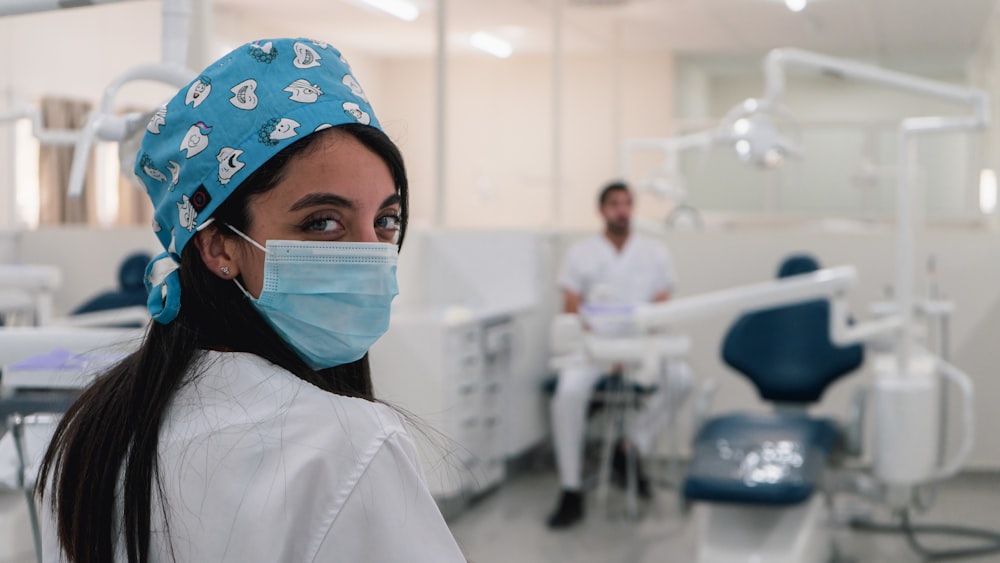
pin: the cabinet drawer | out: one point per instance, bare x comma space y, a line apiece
464, 366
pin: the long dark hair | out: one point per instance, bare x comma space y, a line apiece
110, 434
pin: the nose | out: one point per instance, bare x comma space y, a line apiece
364, 232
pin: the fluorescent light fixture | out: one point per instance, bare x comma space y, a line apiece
402, 9
987, 191
491, 44
796, 5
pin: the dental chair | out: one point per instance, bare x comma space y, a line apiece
131, 292
755, 477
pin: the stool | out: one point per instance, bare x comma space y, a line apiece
617, 398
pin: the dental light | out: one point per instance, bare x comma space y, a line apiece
775, 65
750, 129
666, 181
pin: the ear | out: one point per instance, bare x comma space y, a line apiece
217, 252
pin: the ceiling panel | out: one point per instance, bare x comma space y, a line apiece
943, 30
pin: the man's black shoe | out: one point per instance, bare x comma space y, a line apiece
569, 511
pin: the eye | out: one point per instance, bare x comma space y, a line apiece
322, 225
388, 222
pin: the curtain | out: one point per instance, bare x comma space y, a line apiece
56, 207
134, 207
54, 162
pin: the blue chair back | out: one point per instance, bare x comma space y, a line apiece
131, 290
786, 351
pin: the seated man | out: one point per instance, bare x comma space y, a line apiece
617, 267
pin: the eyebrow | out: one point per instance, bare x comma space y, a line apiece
394, 199
318, 199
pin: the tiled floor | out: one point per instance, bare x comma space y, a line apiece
509, 525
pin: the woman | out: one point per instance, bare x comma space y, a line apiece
244, 428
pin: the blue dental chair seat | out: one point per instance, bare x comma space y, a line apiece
776, 458
770, 459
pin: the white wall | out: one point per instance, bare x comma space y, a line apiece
500, 132
500, 125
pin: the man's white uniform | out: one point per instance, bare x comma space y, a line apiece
601, 275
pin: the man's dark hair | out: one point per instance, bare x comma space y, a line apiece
617, 186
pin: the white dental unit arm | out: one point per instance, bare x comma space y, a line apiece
907, 414
102, 123
908, 378
905, 400
907, 386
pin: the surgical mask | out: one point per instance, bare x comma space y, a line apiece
330, 301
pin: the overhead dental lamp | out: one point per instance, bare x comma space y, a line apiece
750, 129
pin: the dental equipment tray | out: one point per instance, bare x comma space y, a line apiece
763, 459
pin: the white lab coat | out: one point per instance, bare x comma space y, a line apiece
603, 275
258, 465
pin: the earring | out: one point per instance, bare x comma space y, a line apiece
224, 270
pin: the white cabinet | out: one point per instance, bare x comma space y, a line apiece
449, 377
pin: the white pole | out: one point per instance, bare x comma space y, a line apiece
904, 246
557, 98
441, 134
176, 32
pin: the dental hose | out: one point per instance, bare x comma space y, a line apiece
911, 531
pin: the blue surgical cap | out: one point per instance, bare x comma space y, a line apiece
237, 114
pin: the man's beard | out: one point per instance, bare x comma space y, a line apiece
617, 228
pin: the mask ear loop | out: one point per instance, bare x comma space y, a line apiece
246, 238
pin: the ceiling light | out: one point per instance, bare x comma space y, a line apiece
796, 5
402, 9
491, 44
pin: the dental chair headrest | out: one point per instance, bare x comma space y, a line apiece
797, 264
786, 351
133, 270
